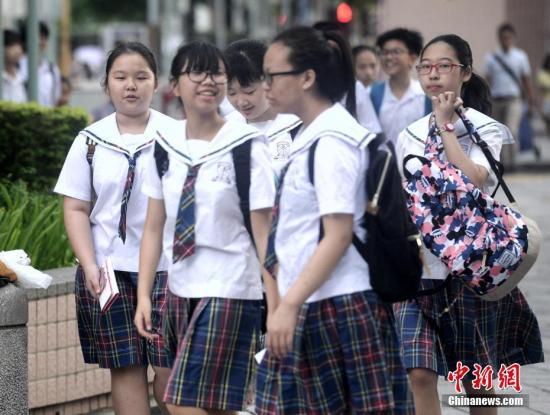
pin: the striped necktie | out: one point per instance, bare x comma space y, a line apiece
130, 176
184, 235
271, 261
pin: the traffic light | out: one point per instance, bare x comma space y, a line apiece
344, 13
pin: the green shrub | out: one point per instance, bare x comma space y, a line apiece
34, 141
34, 222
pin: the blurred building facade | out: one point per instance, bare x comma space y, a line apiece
474, 20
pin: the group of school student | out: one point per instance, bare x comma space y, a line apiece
203, 218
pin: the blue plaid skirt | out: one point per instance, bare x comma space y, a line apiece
345, 360
110, 339
472, 331
214, 341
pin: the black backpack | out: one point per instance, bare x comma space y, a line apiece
392, 250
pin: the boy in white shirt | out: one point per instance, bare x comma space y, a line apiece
398, 101
13, 83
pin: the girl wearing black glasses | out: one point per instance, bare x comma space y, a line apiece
453, 326
332, 345
194, 218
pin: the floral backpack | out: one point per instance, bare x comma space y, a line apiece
489, 245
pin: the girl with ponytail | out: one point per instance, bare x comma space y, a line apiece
453, 326
331, 342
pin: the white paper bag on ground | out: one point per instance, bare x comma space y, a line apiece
28, 277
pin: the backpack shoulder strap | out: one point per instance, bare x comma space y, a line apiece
311, 161
90, 159
377, 96
90, 152
241, 162
293, 132
161, 159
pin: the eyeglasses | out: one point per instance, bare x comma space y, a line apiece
441, 68
267, 77
392, 52
198, 77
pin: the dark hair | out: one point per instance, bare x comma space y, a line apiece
244, 61
11, 37
328, 55
356, 50
129, 48
506, 27
328, 26
43, 29
196, 56
411, 38
475, 92
546, 62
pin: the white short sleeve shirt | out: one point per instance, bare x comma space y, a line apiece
412, 141
339, 171
225, 262
396, 114
502, 84
110, 170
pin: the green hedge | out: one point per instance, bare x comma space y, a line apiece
34, 141
34, 222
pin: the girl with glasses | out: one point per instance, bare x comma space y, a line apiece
439, 330
331, 343
245, 92
194, 218
104, 211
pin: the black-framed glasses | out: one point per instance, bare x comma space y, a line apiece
440, 67
267, 77
198, 77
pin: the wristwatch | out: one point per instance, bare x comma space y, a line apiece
447, 127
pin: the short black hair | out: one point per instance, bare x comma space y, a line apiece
11, 37
43, 29
197, 55
328, 26
129, 48
506, 27
245, 61
411, 38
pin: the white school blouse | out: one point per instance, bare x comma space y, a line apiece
224, 263
277, 133
340, 164
396, 114
412, 141
110, 169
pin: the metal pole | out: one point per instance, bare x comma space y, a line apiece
219, 21
32, 48
65, 61
1, 50
153, 18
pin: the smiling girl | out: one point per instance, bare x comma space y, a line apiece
104, 213
194, 215
246, 94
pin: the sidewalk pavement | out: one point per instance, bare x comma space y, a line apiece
532, 192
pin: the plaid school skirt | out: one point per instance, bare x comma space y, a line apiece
214, 341
110, 339
345, 360
471, 331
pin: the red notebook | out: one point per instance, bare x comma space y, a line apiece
110, 290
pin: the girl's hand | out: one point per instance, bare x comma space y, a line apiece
142, 319
444, 106
94, 282
280, 329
